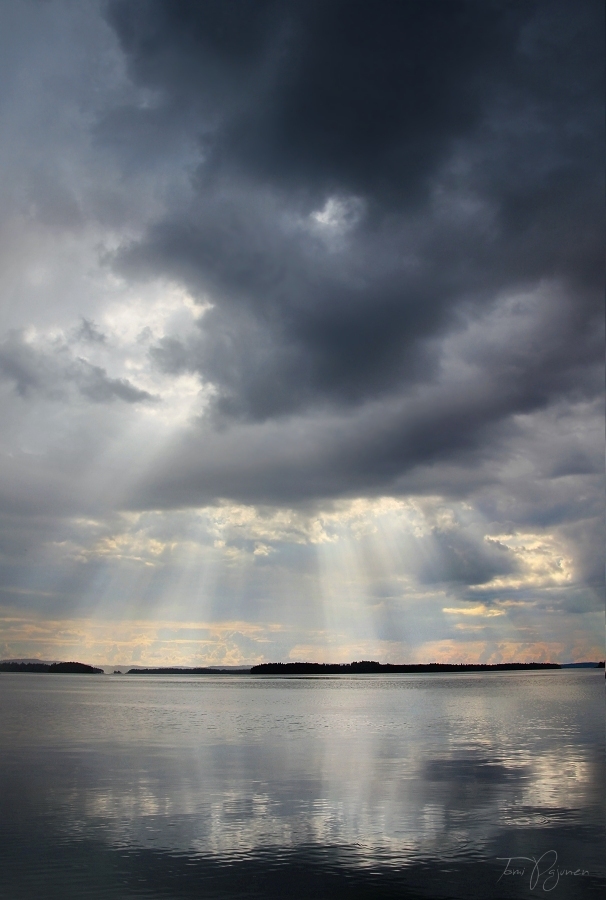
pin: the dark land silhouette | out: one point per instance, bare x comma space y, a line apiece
61, 668
370, 666
364, 667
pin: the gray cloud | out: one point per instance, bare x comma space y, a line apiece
94, 383
50, 372
89, 333
457, 557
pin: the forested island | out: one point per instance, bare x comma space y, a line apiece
60, 668
367, 667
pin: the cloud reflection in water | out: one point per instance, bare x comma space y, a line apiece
251, 786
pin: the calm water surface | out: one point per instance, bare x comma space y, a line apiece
404, 786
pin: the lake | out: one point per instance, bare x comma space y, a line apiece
467, 786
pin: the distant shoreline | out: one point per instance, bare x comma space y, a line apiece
371, 667
364, 667
361, 668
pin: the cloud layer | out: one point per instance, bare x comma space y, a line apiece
288, 257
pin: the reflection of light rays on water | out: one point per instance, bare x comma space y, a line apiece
403, 768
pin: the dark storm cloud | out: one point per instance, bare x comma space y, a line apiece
338, 96
459, 144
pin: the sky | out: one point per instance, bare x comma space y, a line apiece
301, 331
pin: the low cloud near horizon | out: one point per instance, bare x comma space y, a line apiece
301, 348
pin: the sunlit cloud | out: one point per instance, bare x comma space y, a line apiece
480, 610
543, 561
139, 642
